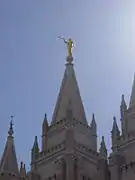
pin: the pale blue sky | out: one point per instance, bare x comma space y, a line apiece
32, 61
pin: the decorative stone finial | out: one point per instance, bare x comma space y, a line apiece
69, 59
10, 132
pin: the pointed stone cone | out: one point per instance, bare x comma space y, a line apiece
45, 126
93, 125
8, 161
69, 91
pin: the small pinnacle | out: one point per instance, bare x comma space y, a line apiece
36, 141
115, 128
10, 132
93, 116
123, 100
122, 97
93, 123
45, 119
114, 118
45, 116
35, 146
45, 125
123, 104
103, 143
35, 138
103, 150
21, 164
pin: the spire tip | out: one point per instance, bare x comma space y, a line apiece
10, 132
114, 118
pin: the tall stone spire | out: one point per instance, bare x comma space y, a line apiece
9, 161
69, 92
132, 97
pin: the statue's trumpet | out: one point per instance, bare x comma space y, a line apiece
60, 37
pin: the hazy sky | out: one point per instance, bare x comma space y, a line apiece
32, 61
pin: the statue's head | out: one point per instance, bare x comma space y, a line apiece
70, 40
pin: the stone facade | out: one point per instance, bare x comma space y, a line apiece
69, 144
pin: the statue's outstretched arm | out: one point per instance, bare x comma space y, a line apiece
63, 39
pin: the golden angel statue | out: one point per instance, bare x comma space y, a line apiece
70, 45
